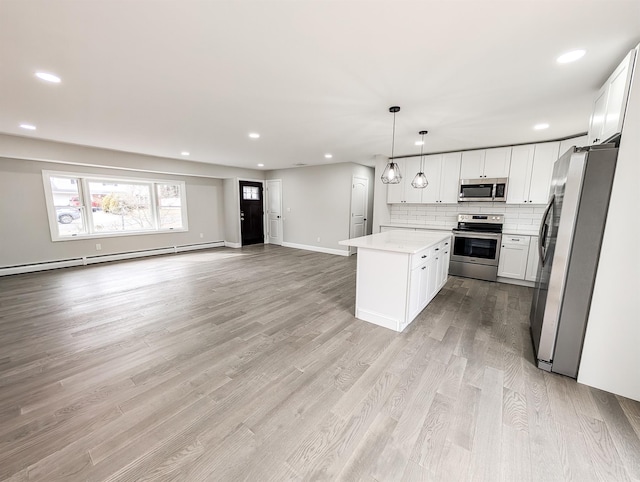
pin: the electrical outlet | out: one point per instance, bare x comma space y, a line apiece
201, 235
98, 246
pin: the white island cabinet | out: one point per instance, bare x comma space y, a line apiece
398, 274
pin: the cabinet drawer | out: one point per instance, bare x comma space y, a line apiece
421, 257
511, 239
444, 246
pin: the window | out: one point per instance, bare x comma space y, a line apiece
250, 192
87, 205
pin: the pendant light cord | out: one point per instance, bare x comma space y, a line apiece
393, 136
421, 155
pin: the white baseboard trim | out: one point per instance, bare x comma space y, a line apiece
30, 268
87, 260
319, 249
232, 245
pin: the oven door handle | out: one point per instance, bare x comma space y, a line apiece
467, 234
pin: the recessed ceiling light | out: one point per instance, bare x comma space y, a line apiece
418, 143
48, 77
28, 127
328, 156
254, 135
184, 153
260, 165
571, 56
541, 126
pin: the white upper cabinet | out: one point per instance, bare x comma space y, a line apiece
531, 171
485, 163
472, 166
544, 156
497, 162
610, 104
443, 173
520, 174
450, 177
404, 192
432, 169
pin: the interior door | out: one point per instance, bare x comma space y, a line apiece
359, 201
251, 213
274, 211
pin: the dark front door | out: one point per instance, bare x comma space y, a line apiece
251, 213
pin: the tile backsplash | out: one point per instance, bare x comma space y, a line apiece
516, 217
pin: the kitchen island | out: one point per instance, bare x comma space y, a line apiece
398, 274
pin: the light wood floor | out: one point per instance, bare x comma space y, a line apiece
249, 365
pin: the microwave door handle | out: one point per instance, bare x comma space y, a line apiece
542, 232
493, 191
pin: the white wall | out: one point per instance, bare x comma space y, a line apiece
231, 190
16, 147
611, 353
24, 230
316, 203
381, 210
24, 224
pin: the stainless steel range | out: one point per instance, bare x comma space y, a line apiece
476, 246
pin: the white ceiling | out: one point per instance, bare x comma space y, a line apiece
159, 77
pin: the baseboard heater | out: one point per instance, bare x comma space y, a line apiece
104, 258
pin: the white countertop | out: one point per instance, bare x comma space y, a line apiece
398, 241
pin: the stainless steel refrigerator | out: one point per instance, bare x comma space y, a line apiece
570, 239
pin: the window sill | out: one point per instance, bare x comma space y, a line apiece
117, 235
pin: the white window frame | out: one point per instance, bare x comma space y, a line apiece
84, 196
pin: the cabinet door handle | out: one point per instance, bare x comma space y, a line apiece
423, 256
437, 249
424, 267
446, 244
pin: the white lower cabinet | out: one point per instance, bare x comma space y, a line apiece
442, 261
419, 288
429, 273
533, 260
514, 252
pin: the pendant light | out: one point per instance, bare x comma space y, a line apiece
420, 181
391, 174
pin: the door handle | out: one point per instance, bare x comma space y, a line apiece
542, 232
278, 217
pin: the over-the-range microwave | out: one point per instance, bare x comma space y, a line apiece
487, 189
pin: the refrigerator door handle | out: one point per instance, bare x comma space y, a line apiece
544, 228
